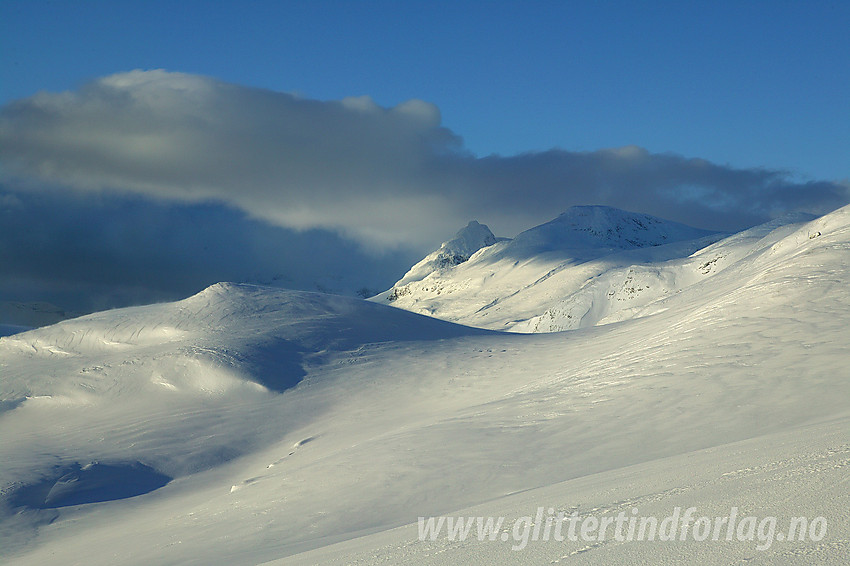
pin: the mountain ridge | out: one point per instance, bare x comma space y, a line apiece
470, 292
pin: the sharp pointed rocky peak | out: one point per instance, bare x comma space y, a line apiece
466, 242
473, 237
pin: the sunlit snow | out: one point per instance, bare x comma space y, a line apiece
247, 425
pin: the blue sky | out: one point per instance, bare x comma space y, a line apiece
751, 84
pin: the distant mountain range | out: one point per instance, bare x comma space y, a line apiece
591, 265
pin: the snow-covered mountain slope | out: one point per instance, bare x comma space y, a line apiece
616, 292
261, 425
592, 265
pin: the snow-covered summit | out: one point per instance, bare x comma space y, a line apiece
459, 249
602, 227
466, 242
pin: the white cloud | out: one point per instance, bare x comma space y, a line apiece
384, 176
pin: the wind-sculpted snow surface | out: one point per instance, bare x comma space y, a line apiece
94, 482
176, 388
301, 428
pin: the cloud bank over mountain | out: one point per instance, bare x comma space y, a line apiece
94, 252
388, 178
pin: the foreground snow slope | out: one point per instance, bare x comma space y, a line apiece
800, 473
290, 422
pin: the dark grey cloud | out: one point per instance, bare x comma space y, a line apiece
99, 251
692, 191
386, 177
